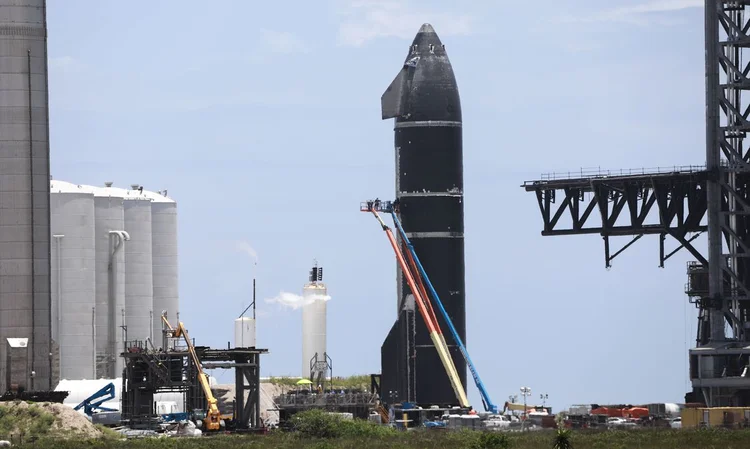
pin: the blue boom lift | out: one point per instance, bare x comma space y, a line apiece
389, 207
94, 402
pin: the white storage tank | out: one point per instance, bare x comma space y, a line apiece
315, 297
139, 286
110, 286
164, 260
244, 332
73, 277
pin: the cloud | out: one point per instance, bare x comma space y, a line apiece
295, 301
282, 42
366, 20
245, 247
641, 14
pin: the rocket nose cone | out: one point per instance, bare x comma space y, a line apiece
426, 28
426, 36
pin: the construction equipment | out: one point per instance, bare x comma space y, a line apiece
93, 403
212, 420
423, 303
486, 401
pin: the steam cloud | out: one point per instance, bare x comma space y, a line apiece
247, 249
295, 301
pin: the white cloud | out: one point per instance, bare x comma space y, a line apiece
641, 14
366, 20
295, 301
282, 42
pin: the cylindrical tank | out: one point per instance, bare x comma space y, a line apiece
109, 219
24, 190
73, 279
244, 332
313, 325
139, 286
164, 257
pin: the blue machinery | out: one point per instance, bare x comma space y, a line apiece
94, 402
388, 207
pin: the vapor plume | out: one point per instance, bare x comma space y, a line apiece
247, 249
294, 301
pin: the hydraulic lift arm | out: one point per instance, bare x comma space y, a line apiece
213, 417
432, 325
486, 401
95, 401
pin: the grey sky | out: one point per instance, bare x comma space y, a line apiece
262, 120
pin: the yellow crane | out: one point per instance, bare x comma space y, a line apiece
212, 421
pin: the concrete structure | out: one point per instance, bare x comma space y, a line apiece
18, 373
73, 278
110, 277
24, 186
139, 286
164, 260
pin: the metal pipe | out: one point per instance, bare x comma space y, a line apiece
33, 252
93, 341
57, 238
151, 328
117, 239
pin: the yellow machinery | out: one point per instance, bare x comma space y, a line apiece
212, 421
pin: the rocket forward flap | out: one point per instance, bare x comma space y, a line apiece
393, 101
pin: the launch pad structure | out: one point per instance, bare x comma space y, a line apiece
148, 372
683, 203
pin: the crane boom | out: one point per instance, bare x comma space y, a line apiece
432, 325
486, 401
213, 417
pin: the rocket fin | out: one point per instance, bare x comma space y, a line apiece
393, 101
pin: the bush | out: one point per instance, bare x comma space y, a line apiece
562, 439
491, 440
319, 424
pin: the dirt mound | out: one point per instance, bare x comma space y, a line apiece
49, 418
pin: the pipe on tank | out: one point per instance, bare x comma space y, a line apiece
119, 237
57, 238
93, 340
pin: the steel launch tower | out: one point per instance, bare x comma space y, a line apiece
684, 203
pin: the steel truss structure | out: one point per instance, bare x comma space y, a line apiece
148, 372
686, 204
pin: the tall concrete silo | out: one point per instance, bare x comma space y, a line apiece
164, 257
139, 285
109, 226
24, 190
315, 297
73, 278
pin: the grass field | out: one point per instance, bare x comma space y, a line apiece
318, 430
635, 439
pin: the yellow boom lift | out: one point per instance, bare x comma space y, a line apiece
212, 421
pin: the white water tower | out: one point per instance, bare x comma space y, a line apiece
244, 327
315, 297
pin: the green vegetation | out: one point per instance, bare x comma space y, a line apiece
361, 381
24, 422
319, 430
640, 439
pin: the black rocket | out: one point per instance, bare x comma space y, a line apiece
426, 106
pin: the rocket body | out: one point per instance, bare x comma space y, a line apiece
424, 101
